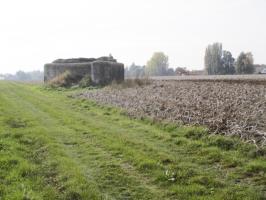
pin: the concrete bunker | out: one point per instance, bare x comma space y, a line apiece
102, 71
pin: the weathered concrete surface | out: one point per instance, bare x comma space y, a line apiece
102, 71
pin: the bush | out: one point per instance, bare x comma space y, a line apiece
85, 81
63, 80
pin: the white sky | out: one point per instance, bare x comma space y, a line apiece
35, 32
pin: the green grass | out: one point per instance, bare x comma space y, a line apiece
53, 146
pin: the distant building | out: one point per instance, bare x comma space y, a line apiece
259, 69
181, 71
197, 72
263, 71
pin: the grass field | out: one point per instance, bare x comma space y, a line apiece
53, 146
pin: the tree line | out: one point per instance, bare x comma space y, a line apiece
218, 61
158, 65
24, 76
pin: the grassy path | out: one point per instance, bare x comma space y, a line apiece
56, 147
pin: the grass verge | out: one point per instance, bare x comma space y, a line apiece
56, 147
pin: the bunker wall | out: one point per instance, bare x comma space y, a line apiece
78, 70
101, 72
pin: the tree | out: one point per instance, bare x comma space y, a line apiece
213, 59
228, 63
157, 65
170, 72
245, 63
135, 71
22, 76
25, 76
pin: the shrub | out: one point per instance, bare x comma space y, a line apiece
85, 81
63, 80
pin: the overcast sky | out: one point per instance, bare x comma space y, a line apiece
35, 32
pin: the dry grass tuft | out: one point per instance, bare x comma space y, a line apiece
63, 80
131, 83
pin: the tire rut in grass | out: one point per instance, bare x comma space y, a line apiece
113, 167
73, 130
